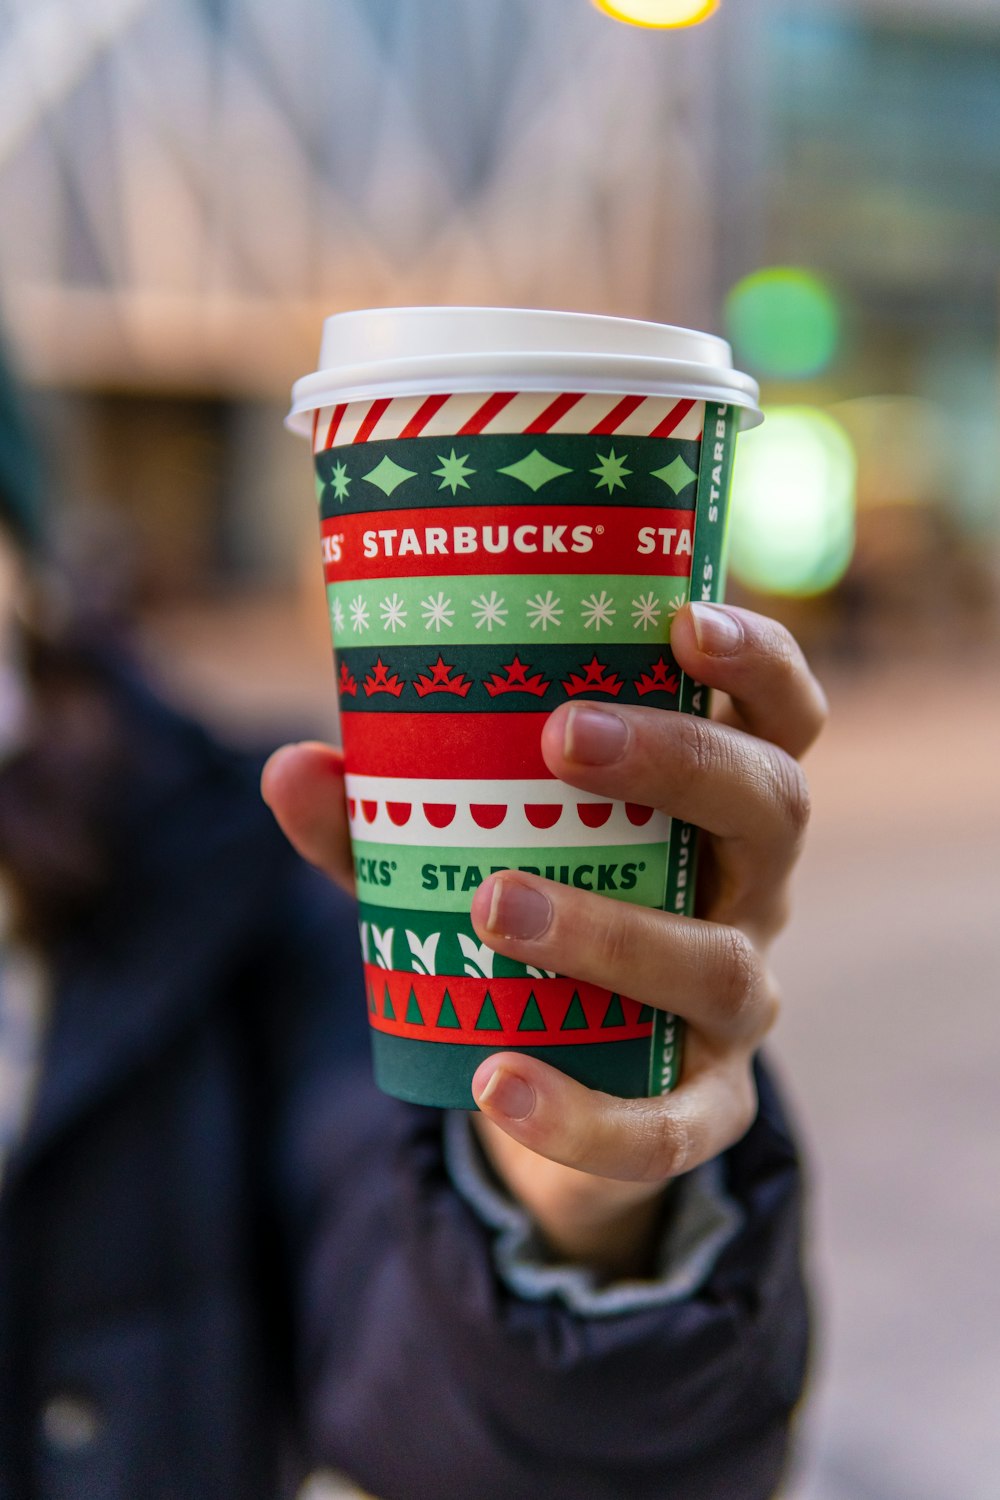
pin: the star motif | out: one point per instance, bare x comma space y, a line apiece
593, 672
516, 671
441, 670
453, 472
660, 676
611, 471
340, 481
659, 679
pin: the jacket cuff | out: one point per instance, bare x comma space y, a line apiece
703, 1219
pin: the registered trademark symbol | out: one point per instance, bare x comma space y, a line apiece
642, 864
392, 864
599, 530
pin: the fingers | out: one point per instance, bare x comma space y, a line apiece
303, 785
707, 973
636, 1140
759, 664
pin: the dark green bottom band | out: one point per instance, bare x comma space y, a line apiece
440, 1073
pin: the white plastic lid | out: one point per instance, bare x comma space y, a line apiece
418, 351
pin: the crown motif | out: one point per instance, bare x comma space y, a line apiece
597, 678
657, 680
517, 681
379, 681
347, 684
442, 681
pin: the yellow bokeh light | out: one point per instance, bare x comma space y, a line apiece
658, 13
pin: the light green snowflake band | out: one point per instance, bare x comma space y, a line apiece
465, 611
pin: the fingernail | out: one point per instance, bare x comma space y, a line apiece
717, 632
507, 1094
593, 736
518, 911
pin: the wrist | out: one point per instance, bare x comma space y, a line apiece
608, 1226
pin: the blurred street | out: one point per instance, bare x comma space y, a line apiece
889, 1043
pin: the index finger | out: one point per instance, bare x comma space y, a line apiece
759, 664
303, 785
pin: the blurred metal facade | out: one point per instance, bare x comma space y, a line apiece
186, 186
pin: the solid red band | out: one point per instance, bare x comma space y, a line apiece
469, 745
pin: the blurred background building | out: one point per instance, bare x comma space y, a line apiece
187, 187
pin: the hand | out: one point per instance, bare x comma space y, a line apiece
596, 1191
589, 1167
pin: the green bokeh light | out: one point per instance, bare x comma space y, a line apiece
792, 529
784, 322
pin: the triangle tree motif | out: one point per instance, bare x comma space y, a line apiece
575, 1018
614, 1015
448, 1016
387, 1007
371, 999
532, 1018
645, 1014
487, 1019
413, 1015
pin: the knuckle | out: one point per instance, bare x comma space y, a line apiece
613, 938
739, 968
663, 1143
697, 747
792, 793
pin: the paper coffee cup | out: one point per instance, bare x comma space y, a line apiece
513, 505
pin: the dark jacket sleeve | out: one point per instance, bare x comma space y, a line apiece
422, 1377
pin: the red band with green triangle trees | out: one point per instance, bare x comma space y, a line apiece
500, 1012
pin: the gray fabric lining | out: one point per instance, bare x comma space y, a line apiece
703, 1219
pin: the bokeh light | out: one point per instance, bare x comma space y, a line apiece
792, 529
658, 13
784, 321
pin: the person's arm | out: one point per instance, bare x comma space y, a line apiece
660, 1393
591, 1168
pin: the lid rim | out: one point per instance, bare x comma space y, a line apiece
371, 353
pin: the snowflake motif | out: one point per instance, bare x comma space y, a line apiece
598, 610
393, 613
489, 612
338, 615
645, 612
437, 612
674, 604
359, 615
545, 611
